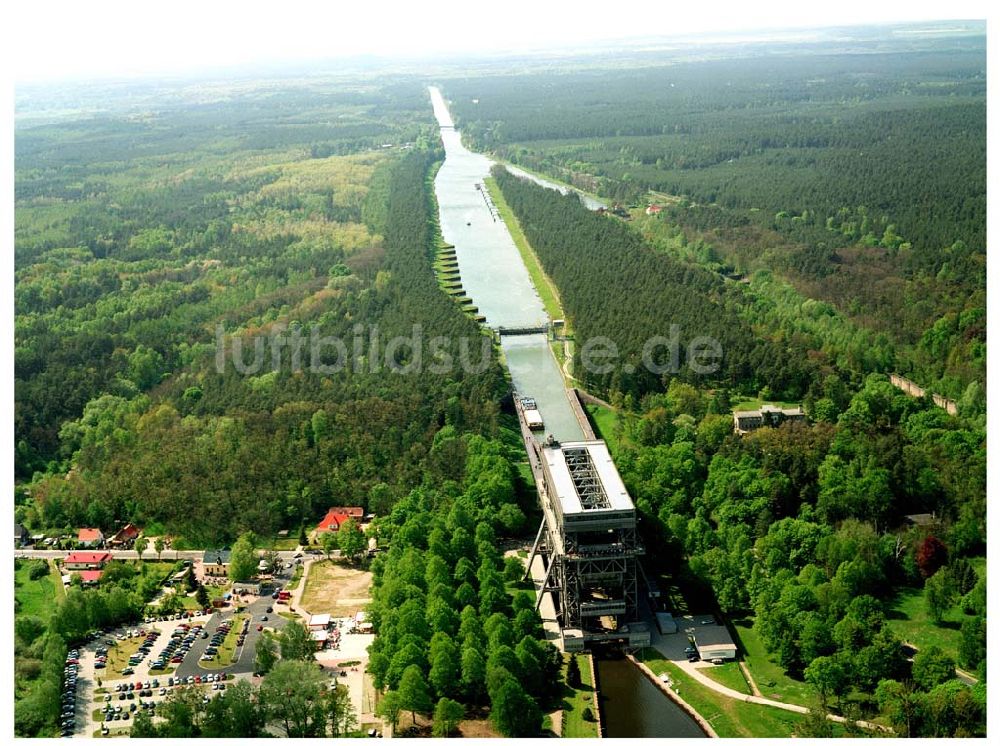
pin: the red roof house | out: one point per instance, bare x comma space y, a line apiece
333, 520
125, 536
89, 577
86, 560
90, 537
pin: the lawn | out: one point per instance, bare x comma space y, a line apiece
228, 652
284, 543
731, 718
573, 724
606, 424
546, 289
729, 675
37, 597
336, 588
296, 579
771, 678
909, 619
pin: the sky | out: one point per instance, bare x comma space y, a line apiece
50, 40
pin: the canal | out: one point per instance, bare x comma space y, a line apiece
495, 277
633, 707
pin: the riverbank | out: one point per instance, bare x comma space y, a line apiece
665, 688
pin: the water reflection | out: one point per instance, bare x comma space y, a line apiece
632, 706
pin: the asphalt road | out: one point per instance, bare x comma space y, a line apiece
168, 555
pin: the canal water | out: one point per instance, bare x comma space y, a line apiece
495, 277
633, 707
590, 202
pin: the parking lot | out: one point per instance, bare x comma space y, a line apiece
180, 642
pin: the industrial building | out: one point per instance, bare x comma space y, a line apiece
589, 544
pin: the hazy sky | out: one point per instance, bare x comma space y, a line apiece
55, 39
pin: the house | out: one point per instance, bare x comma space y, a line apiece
921, 520
337, 517
86, 561
250, 589
20, 535
215, 563
125, 537
767, 416
654, 210
90, 577
320, 637
90, 537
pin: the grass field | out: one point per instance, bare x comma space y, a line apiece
546, 289
771, 679
336, 589
37, 597
729, 675
908, 618
606, 422
731, 718
578, 700
296, 579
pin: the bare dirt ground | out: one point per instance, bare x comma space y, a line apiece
477, 729
335, 589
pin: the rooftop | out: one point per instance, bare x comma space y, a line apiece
90, 534
712, 635
584, 477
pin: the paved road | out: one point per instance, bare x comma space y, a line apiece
168, 555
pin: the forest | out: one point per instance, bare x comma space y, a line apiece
802, 531
454, 621
858, 177
124, 330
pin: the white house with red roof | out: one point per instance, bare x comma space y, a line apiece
90, 537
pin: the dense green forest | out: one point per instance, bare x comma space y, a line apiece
802, 530
859, 177
123, 327
453, 620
